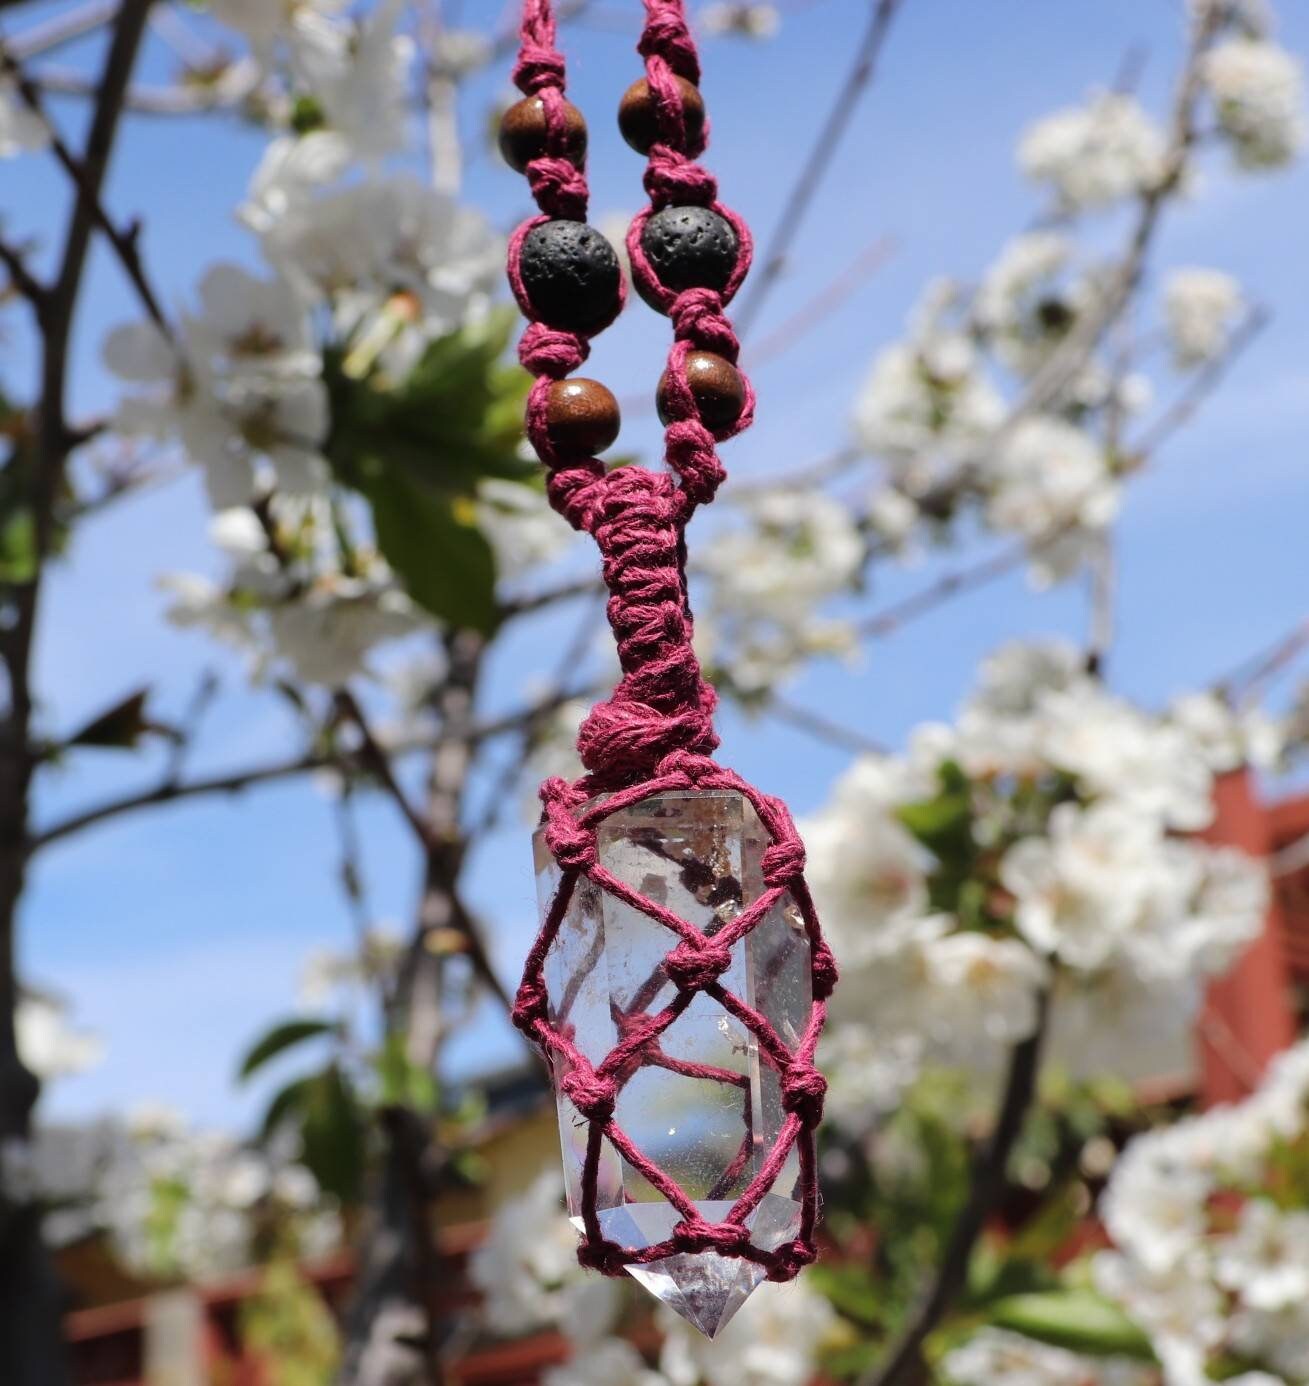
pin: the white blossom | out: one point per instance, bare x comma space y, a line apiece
366, 243
1049, 483
520, 524
1258, 94
983, 994
527, 1270
1083, 886
867, 1069
264, 21
1227, 737
1209, 1265
48, 1045
995, 1357
1118, 753
327, 971
798, 548
1201, 307
772, 1341
1095, 154
747, 18
187, 1205
358, 74
240, 390
608, 1362
925, 414
770, 577
291, 169
866, 870
1022, 304
1266, 1259
22, 131
1115, 1022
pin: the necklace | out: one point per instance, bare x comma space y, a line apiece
685, 1077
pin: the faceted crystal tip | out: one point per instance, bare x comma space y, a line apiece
704, 1288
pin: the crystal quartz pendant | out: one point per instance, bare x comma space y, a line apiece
698, 854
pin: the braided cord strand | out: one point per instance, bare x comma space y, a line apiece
654, 735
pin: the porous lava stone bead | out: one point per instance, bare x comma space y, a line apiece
638, 114
690, 248
581, 416
571, 275
522, 133
716, 387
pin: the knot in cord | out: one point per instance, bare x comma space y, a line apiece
824, 971
790, 1258
783, 862
699, 1235
803, 1090
692, 967
593, 1096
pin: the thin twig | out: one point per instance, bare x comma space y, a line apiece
87, 182
1201, 385
1254, 673
987, 1188
62, 28
820, 727
830, 297
23, 280
376, 760
1137, 457
819, 159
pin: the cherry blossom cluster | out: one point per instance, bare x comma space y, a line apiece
1211, 1235
1035, 846
1004, 396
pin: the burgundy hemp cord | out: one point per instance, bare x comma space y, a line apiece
655, 733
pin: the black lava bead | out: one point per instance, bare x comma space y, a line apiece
690, 248
571, 275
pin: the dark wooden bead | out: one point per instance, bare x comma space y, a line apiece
581, 416
690, 248
716, 386
571, 275
523, 133
638, 114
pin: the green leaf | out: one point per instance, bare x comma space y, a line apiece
17, 546
403, 1083
287, 1104
1074, 1319
279, 1039
332, 1126
417, 449
436, 548
332, 1134
121, 726
454, 420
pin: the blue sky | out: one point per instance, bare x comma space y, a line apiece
179, 934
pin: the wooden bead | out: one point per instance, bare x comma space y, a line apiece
571, 275
523, 133
716, 387
638, 114
581, 416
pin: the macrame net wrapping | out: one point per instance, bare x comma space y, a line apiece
655, 735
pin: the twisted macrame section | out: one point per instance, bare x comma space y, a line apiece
655, 734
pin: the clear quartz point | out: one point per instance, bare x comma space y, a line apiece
697, 853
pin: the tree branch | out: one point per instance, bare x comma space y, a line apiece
87, 175
817, 162
988, 1186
